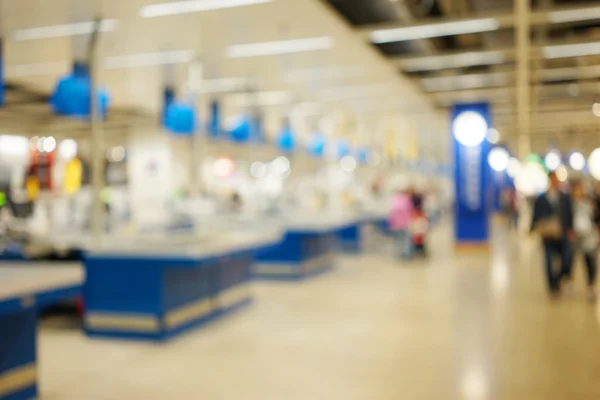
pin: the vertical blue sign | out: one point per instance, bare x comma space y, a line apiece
1, 73
469, 125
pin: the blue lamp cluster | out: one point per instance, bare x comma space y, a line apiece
71, 96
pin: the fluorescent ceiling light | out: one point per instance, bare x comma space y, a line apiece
194, 6
453, 61
56, 31
224, 85
324, 73
149, 59
571, 50
460, 82
280, 47
350, 92
263, 99
434, 30
37, 69
582, 14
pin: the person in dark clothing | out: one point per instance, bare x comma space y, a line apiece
553, 219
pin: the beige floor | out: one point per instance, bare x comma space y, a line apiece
470, 328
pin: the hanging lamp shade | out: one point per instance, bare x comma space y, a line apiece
362, 155
181, 118
286, 140
71, 97
316, 145
342, 148
241, 130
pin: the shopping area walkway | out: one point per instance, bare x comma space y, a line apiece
453, 327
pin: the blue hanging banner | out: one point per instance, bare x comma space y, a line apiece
71, 96
168, 99
469, 126
1, 73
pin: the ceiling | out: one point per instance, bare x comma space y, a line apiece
348, 81
470, 55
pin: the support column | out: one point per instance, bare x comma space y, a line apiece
97, 139
523, 10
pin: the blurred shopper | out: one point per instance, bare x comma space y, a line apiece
510, 207
586, 243
400, 222
553, 221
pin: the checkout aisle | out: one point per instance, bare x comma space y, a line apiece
371, 329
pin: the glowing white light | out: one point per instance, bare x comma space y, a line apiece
193, 6
512, 169
223, 167
13, 145
56, 31
594, 163
577, 161
552, 160
596, 109
67, 149
562, 173
258, 169
280, 47
149, 59
532, 179
33, 143
348, 163
434, 30
281, 165
498, 159
493, 135
116, 154
470, 128
48, 144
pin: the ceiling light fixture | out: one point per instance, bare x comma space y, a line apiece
149, 59
453, 61
223, 85
582, 14
194, 6
434, 30
280, 47
571, 50
56, 31
37, 69
325, 73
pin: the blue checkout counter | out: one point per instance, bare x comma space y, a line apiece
24, 290
307, 249
139, 291
352, 237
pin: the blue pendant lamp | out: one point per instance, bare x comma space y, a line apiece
179, 117
71, 96
342, 148
316, 145
241, 131
286, 140
362, 155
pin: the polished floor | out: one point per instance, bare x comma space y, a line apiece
469, 327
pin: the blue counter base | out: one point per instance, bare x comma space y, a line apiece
18, 332
158, 299
294, 271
